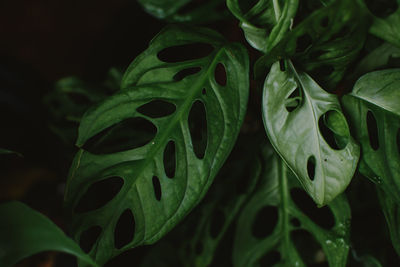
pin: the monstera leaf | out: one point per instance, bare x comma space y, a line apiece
386, 28
277, 228
323, 44
186, 10
25, 232
374, 113
194, 243
306, 126
264, 22
166, 167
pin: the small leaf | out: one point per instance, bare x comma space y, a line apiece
25, 232
265, 22
323, 171
385, 28
183, 174
374, 113
296, 240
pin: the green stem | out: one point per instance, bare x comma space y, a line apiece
277, 10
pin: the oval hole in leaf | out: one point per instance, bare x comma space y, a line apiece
243, 183
203, 91
199, 248
372, 130
270, 259
179, 76
125, 229
295, 222
322, 71
198, 128
311, 168
79, 99
345, 30
246, 5
185, 52
324, 21
128, 134
293, 100
303, 42
157, 187
220, 74
321, 216
282, 65
308, 248
99, 194
316, 54
157, 109
217, 222
169, 159
330, 123
264, 222
89, 237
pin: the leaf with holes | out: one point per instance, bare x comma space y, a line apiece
387, 28
25, 232
323, 44
374, 114
172, 157
264, 23
192, 11
306, 126
281, 225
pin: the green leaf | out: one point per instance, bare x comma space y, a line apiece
391, 210
265, 22
323, 44
25, 232
306, 126
4, 151
277, 243
149, 79
188, 11
387, 28
374, 114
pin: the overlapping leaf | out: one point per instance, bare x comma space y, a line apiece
264, 22
387, 28
155, 198
323, 44
189, 11
306, 126
25, 232
374, 113
279, 244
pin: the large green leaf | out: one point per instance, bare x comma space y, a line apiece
147, 80
265, 239
25, 232
374, 113
306, 126
387, 28
323, 44
189, 11
264, 22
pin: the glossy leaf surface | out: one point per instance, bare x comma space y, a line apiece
25, 232
158, 204
374, 113
306, 126
282, 246
264, 22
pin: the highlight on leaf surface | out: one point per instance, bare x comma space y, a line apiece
306, 126
166, 173
374, 113
281, 226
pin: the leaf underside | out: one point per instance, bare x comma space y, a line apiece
155, 192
